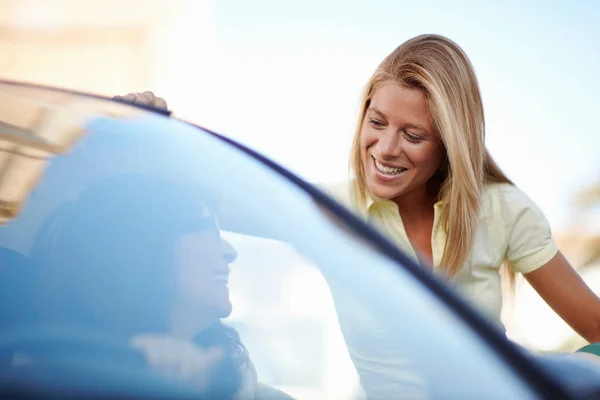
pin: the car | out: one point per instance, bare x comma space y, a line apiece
126, 233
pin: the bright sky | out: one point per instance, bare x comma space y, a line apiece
285, 78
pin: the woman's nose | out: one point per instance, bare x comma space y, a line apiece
390, 144
229, 253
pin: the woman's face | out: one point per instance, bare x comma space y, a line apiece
203, 259
399, 149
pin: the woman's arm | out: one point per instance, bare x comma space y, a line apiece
531, 251
569, 296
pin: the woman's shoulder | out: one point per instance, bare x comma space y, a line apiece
507, 195
509, 205
526, 232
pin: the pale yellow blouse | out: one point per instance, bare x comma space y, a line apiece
512, 228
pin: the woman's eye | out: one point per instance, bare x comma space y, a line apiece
413, 138
375, 123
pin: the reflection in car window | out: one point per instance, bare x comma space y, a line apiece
155, 247
279, 322
35, 125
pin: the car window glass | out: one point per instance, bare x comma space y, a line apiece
150, 226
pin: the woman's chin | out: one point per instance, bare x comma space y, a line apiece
224, 309
382, 192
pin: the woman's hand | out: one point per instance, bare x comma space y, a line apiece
178, 358
146, 99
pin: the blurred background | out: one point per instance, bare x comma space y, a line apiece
284, 77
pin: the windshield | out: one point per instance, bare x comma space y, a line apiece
143, 245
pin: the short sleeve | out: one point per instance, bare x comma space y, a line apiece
529, 243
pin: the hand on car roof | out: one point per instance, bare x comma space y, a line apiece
146, 98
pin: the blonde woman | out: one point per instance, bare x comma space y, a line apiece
422, 175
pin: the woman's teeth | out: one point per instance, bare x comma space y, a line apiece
387, 170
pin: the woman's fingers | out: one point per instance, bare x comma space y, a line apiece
146, 98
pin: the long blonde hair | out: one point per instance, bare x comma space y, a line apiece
439, 67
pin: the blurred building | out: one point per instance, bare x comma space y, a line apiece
110, 46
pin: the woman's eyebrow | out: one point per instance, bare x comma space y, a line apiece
376, 111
